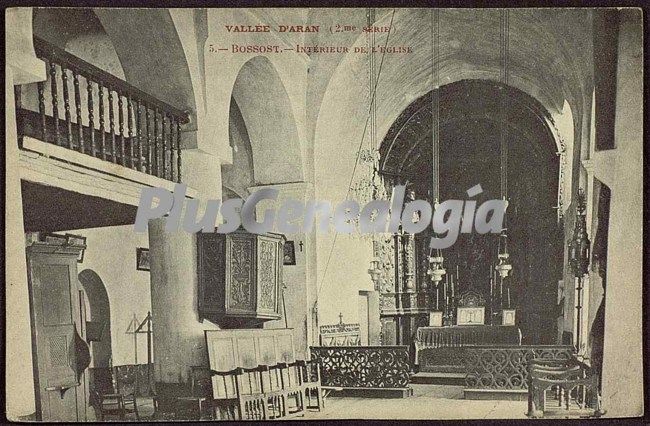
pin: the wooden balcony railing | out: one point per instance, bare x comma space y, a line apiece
86, 109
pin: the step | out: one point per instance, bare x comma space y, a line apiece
497, 394
438, 378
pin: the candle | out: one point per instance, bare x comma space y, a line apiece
452, 287
437, 295
508, 297
491, 284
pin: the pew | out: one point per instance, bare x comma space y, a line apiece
250, 366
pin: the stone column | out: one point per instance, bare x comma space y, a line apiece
371, 319
622, 170
178, 338
22, 67
300, 292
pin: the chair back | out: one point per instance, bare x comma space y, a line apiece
100, 380
272, 377
250, 381
200, 382
225, 384
309, 371
291, 376
126, 379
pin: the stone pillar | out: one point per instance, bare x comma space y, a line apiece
370, 318
23, 67
300, 292
178, 338
622, 170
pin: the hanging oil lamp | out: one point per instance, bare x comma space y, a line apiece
579, 248
436, 270
503, 267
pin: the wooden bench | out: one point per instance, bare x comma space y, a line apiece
249, 366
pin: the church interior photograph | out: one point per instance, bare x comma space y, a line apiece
455, 230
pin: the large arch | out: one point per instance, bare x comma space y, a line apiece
473, 113
100, 311
238, 176
273, 135
469, 50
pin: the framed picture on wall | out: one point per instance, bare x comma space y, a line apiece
142, 259
289, 253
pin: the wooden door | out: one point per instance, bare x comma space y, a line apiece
61, 354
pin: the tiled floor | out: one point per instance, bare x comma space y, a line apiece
428, 402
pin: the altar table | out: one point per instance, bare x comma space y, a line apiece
434, 346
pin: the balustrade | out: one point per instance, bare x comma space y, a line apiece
142, 132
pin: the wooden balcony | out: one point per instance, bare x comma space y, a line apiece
88, 110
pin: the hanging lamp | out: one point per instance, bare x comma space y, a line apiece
436, 269
503, 266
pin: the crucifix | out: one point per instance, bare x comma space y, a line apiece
340, 318
300, 244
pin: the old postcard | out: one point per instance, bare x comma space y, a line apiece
323, 213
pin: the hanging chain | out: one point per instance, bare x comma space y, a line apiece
505, 45
435, 104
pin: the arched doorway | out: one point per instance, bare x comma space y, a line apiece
98, 305
471, 116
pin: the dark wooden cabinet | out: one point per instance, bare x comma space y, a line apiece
239, 277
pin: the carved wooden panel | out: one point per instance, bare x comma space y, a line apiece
240, 273
239, 277
268, 270
384, 248
211, 274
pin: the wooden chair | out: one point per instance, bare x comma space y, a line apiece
575, 385
311, 383
294, 393
120, 397
225, 394
100, 381
126, 386
273, 390
198, 405
252, 401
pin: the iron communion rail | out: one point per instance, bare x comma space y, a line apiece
364, 367
506, 367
